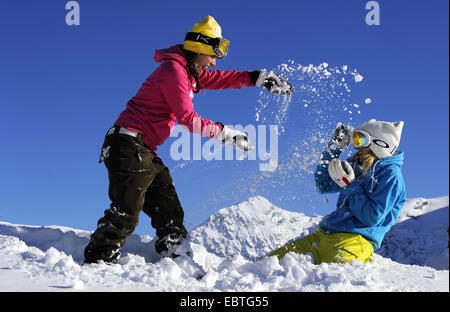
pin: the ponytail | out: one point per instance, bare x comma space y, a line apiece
190, 59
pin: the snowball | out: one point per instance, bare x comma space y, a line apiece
358, 78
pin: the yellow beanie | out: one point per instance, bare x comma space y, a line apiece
206, 38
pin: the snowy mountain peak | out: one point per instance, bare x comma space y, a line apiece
251, 228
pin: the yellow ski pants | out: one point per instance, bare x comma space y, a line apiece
330, 247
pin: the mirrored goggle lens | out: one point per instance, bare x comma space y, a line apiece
360, 139
221, 47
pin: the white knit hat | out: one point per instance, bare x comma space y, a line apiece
385, 136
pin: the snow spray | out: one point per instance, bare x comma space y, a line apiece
306, 120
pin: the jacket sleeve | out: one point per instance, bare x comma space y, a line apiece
324, 183
371, 206
174, 83
218, 79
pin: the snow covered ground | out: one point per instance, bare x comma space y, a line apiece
230, 246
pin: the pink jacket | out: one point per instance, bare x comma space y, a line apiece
166, 97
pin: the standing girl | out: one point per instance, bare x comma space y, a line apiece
138, 179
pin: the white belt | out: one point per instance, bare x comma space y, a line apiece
122, 131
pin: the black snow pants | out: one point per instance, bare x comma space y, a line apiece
138, 180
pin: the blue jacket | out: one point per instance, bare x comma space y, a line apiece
370, 204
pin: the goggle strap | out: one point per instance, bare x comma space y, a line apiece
199, 37
213, 42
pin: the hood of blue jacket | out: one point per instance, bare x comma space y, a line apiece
396, 160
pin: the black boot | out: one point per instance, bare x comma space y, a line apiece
170, 241
93, 254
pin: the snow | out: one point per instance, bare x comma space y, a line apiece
231, 247
325, 93
315, 85
358, 78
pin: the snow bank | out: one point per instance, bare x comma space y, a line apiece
230, 246
420, 233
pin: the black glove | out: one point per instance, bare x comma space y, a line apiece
274, 83
342, 136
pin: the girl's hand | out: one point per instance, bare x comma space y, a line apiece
274, 83
342, 177
236, 139
342, 136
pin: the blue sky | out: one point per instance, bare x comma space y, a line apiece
62, 87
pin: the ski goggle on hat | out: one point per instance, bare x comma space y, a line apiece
363, 139
218, 45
